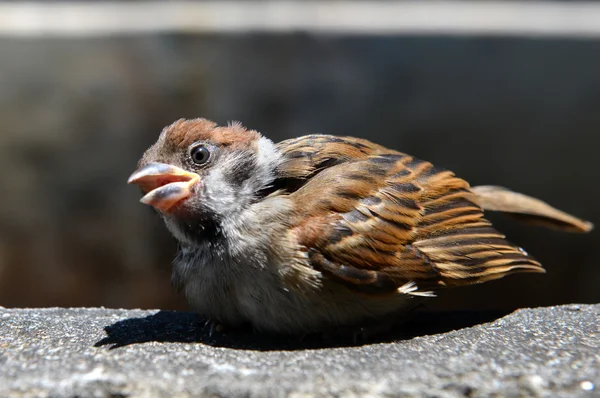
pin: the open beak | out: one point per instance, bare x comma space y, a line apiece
164, 185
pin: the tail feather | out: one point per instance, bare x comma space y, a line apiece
528, 209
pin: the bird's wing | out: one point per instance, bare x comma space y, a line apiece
528, 209
376, 219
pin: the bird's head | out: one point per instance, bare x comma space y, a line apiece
198, 173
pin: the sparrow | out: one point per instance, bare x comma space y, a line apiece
322, 232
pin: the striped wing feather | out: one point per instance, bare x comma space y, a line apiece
380, 218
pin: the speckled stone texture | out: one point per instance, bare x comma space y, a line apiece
64, 352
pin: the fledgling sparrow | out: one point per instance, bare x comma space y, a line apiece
320, 232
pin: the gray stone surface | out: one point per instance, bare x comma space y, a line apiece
551, 351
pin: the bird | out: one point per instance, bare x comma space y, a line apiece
322, 232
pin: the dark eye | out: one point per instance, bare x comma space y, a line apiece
200, 154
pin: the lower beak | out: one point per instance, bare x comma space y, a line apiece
165, 185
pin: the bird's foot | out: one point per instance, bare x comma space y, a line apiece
361, 333
370, 329
214, 326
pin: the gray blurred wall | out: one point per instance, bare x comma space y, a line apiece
76, 114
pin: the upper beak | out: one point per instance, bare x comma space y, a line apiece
165, 185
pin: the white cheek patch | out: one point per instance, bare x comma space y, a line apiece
231, 201
268, 159
220, 196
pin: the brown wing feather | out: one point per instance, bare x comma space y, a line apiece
528, 209
382, 219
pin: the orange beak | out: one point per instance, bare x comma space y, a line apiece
164, 185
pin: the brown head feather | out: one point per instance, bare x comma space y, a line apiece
183, 133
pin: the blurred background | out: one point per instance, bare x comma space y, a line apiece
504, 93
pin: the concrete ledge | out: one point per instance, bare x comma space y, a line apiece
383, 17
64, 352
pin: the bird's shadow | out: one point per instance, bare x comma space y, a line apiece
185, 327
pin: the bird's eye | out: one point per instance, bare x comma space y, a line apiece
200, 154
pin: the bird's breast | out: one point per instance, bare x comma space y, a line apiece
234, 292
227, 289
